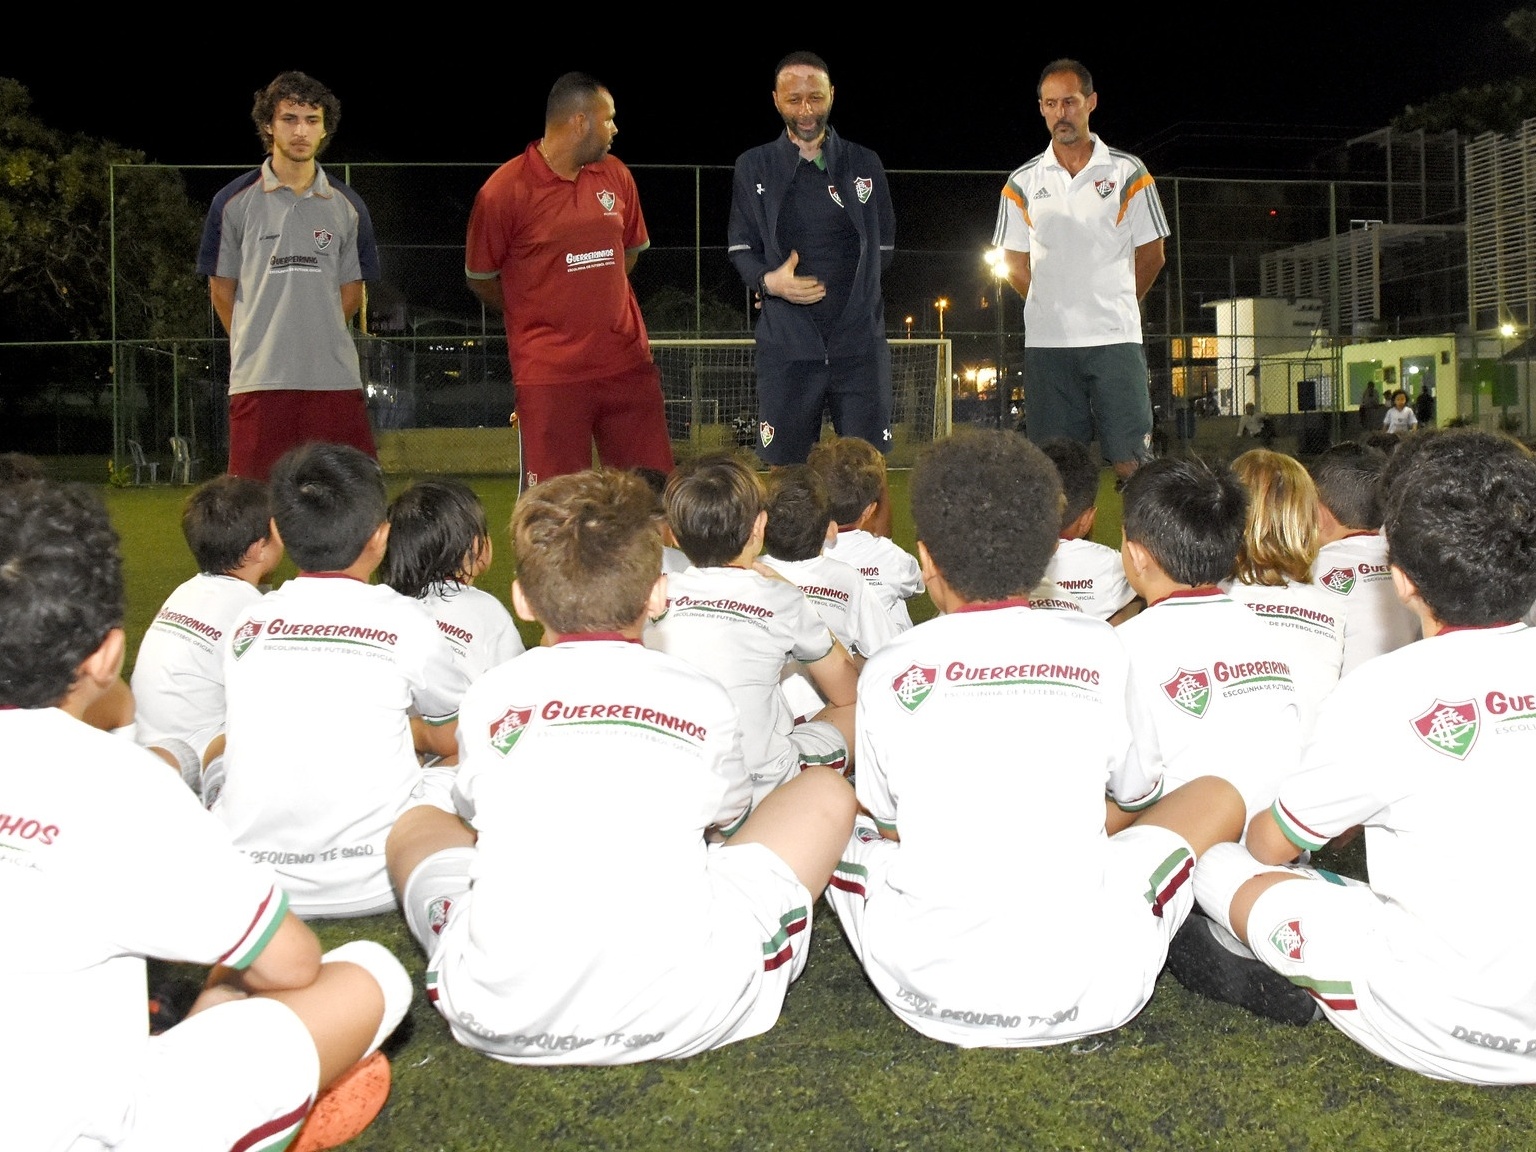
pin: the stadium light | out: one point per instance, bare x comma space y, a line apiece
941, 303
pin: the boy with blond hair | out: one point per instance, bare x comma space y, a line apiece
683, 942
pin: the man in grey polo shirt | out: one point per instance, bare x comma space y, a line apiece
286, 250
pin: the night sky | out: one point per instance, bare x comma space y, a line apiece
935, 93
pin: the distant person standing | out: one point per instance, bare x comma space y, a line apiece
553, 236
286, 250
1082, 230
1370, 409
1400, 418
811, 231
1424, 406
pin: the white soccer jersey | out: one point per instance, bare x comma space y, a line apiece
842, 598
1214, 694
105, 858
1312, 624
591, 770
1049, 594
178, 675
1081, 234
1354, 570
988, 740
1093, 574
1431, 747
320, 679
477, 625
889, 569
741, 628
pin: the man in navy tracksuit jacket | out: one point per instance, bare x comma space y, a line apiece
811, 231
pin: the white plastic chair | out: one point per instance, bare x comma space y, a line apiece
183, 464
141, 464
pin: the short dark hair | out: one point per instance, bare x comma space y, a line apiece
436, 528
801, 59
1348, 478
1079, 473
798, 513
588, 553
1066, 64
854, 472
61, 588
985, 503
570, 94
18, 467
1461, 524
712, 502
1189, 515
223, 518
328, 500
301, 89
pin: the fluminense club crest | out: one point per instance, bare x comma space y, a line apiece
765, 433
244, 636
832, 192
1288, 940
1449, 728
437, 914
506, 732
1340, 580
1105, 188
913, 685
1190, 691
607, 199
322, 239
863, 188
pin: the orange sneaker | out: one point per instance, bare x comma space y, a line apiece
343, 1110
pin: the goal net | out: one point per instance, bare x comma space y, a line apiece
710, 389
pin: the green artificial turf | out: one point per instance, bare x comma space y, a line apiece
839, 1072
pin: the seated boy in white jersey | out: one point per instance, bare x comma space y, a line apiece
439, 545
1352, 561
794, 542
683, 941
322, 677
1091, 572
740, 622
1213, 693
854, 472
1273, 574
109, 861
1428, 964
178, 675
973, 846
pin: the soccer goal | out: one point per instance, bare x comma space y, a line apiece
710, 390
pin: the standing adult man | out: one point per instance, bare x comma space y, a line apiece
811, 231
1081, 228
553, 236
286, 250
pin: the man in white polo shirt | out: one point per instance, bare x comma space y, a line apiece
1082, 230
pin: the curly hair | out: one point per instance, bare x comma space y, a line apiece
61, 588
987, 506
300, 89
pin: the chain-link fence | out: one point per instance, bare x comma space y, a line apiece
433, 358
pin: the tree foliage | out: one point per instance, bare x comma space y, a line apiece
56, 236
1494, 107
